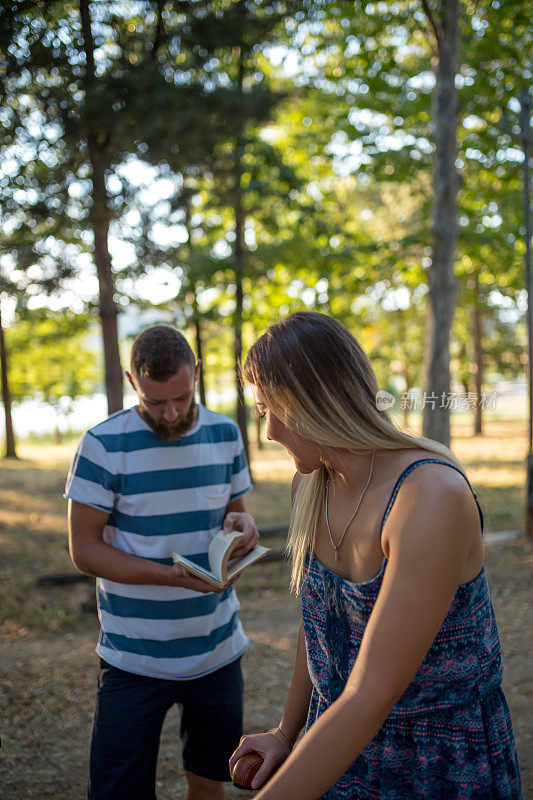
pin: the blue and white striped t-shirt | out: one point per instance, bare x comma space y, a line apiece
163, 496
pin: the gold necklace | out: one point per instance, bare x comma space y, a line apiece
337, 546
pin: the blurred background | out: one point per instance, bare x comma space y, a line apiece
217, 165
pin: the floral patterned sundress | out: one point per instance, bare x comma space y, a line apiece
450, 736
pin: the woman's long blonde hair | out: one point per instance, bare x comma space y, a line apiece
316, 378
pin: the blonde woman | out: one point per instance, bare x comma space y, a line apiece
398, 669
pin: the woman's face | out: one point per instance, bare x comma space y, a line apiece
305, 453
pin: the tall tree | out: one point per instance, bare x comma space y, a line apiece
51, 101
444, 21
221, 47
234, 37
375, 69
85, 89
10, 451
99, 142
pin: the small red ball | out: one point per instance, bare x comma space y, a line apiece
245, 770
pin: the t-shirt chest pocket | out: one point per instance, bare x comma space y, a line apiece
214, 497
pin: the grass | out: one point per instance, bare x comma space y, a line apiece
496, 465
33, 537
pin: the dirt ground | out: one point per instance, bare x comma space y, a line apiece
47, 684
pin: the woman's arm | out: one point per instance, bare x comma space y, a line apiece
299, 695
275, 749
293, 720
430, 537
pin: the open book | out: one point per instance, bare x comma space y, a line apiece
222, 568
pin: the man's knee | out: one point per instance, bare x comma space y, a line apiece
204, 788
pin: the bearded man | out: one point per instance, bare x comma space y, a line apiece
162, 476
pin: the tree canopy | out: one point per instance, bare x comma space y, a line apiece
249, 158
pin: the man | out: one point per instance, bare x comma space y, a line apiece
165, 475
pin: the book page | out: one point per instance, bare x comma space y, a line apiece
238, 564
220, 551
195, 569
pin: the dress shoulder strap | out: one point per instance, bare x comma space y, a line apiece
407, 471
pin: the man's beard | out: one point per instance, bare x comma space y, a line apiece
169, 433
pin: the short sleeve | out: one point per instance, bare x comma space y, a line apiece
240, 474
91, 480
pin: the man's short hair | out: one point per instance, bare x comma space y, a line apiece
159, 352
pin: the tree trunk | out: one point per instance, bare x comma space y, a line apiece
107, 305
99, 145
238, 255
442, 281
478, 363
194, 302
258, 437
464, 368
401, 324
199, 349
242, 420
6, 397
407, 386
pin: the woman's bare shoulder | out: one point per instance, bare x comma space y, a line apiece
393, 463
434, 488
437, 479
431, 495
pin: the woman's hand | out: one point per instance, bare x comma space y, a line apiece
271, 747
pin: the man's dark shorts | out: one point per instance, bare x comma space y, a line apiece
129, 714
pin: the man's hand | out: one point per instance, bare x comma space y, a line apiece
187, 580
242, 521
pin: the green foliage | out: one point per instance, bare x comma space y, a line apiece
370, 66
50, 358
328, 162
